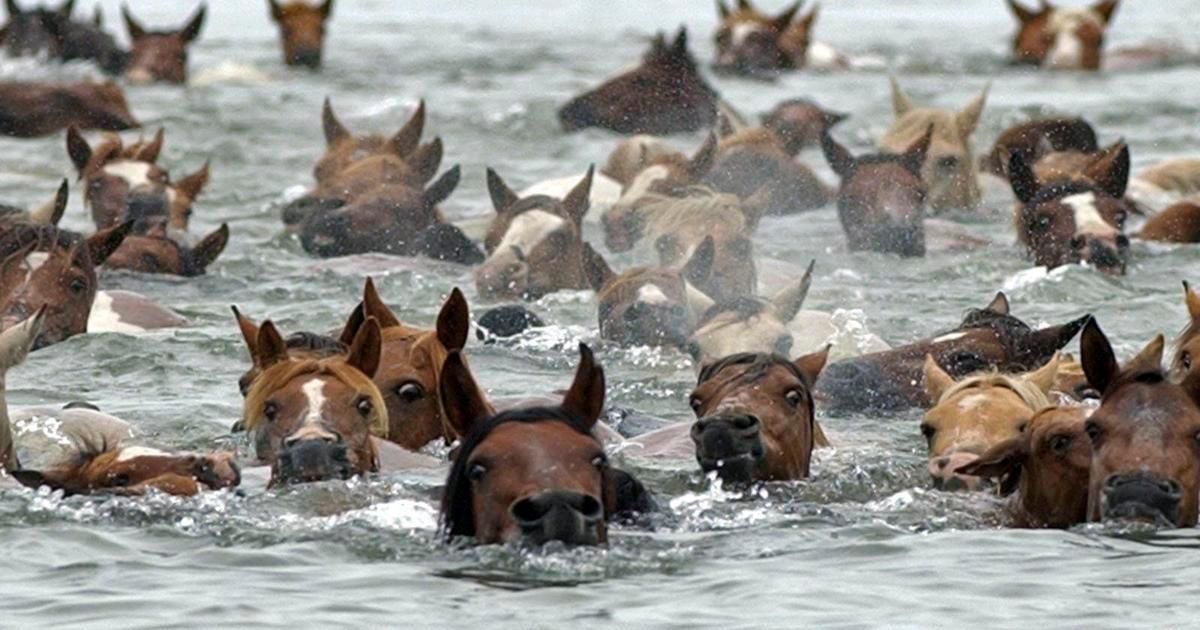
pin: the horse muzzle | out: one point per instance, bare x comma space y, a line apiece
307, 58
1142, 496
1107, 253
569, 517
943, 472
309, 460
730, 444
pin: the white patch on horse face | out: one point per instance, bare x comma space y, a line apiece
34, 261
529, 229
1067, 50
644, 180
652, 294
743, 30
971, 402
314, 392
1087, 216
133, 452
950, 337
103, 318
134, 173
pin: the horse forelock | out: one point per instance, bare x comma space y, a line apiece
1030, 394
279, 375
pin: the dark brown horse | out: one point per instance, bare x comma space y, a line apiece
987, 338
754, 162
752, 43
161, 254
1061, 38
28, 32
799, 123
52, 32
30, 110
665, 94
302, 30
881, 202
1032, 139
161, 56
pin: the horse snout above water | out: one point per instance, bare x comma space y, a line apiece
944, 472
729, 444
309, 459
558, 515
1142, 496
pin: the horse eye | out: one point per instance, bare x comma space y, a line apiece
928, 431
364, 407
270, 410
410, 392
600, 461
1119, 217
78, 286
1094, 432
695, 403
119, 481
1021, 427
1186, 360
1044, 221
1060, 444
794, 398
476, 472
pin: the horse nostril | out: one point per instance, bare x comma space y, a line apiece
1171, 487
745, 423
941, 462
1078, 242
1122, 241
591, 508
947, 163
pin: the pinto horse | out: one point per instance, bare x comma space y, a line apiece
987, 338
532, 475
665, 94
751, 43
1062, 38
161, 56
302, 30
31, 110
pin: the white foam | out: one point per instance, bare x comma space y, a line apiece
950, 337
529, 229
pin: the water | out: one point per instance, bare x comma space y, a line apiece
863, 543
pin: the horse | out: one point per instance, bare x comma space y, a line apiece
31, 110
299, 345
665, 94
1177, 223
636, 153
161, 56
1144, 465
532, 475
1079, 220
659, 171
535, 245
1186, 346
27, 32
949, 168
754, 162
1072, 165
159, 254
302, 31
882, 197
1044, 469
87, 41
749, 324
750, 43
987, 338
798, 123
1033, 138
343, 148
48, 213
1061, 38
975, 413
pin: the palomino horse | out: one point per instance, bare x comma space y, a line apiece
1032, 139
1145, 464
799, 123
1070, 38
751, 43
161, 56
532, 475
881, 201
754, 162
535, 245
988, 338
1078, 220
1177, 223
152, 253
665, 94
749, 324
30, 110
949, 168
1047, 465
973, 414
302, 30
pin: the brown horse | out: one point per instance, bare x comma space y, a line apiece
1145, 464
753, 162
1061, 38
30, 110
532, 475
881, 201
1177, 223
1047, 466
749, 324
313, 418
535, 245
1078, 220
799, 123
1187, 348
28, 32
161, 56
751, 43
1032, 139
665, 94
637, 153
1072, 165
302, 30
657, 171
300, 345
343, 148
160, 254
134, 471
988, 338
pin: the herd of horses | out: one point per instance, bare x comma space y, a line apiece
1003, 402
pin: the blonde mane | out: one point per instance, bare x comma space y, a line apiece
702, 208
1028, 392
279, 375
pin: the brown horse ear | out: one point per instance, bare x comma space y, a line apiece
333, 128
98, 17
1023, 14
1044, 377
1002, 461
1047, 340
598, 273
78, 149
914, 156
1149, 358
724, 127
722, 10
104, 242
810, 365
901, 103
269, 347
353, 323
374, 306
668, 249
1096, 354
968, 118
51, 212
276, 10
426, 160
408, 138
1106, 9
454, 321
585, 398
193, 184
744, 5
326, 9
191, 30
249, 331
502, 196
366, 349
149, 152
1193, 301
462, 399
578, 201
839, 157
937, 381
440, 190
784, 20
680, 47
702, 162
210, 247
136, 31
999, 304
806, 22
700, 266
790, 300
1021, 177
1110, 171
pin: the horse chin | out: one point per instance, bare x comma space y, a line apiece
738, 470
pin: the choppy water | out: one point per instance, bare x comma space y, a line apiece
863, 543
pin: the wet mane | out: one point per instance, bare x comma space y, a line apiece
743, 308
759, 364
279, 375
44, 237
1030, 394
670, 214
315, 342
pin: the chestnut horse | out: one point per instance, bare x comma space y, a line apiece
532, 475
881, 201
302, 30
1187, 344
751, 43
799, 123
48, 213
754, 162
161, 56
1032, 139
665, 94
1177, 223
1145, 464
30, 110
160, 254
1062, 38
300, 345
343, 148
988, 338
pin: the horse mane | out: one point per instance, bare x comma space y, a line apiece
743, 307
759, 362
665, 214
1030, 394
21, 235
277, 376
315, 342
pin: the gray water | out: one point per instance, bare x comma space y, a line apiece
862, 543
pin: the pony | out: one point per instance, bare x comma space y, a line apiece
1177, 223
750, 43
881, 201
665, 94
87, 41
299, 345
658, 170
799, 123
159, 254
987, 338
1072, 165
749, 324
949, 168
161, 56
754, 162
343, 148
1186, 346
16, 342
636, 153
302, 31
1061, 38
27, 32
31, 110
1034, 138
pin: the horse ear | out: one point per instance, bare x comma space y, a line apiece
440, 190
191, 185
937, 381
784, 20
1192, 299
426, 160
914, 155
454, 321
722, 10
502, 196
462, 399
16, 341
269, 347
744, 5
249, 331
806, 22
755, 207
149, 152
679, 48
333, 128
1047, 340
78, 149
366, 349
191, 30
104, 242
136, 31
51, 212
1023, 14
326, 9
702, 162
668, 249
901, 103
409, 137
67, 9
968, 118
353, 323
790, 300
374, 306
210, 247
98, 17
999, 304
1148, 358
810, 365
1096, 354
1021, 177
13, 8
1110, 171
724, 127
578, 201
276, 10
1106, 9
1002, 461
585, 398
838, 156
1044, 377
595, 268
700, 266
